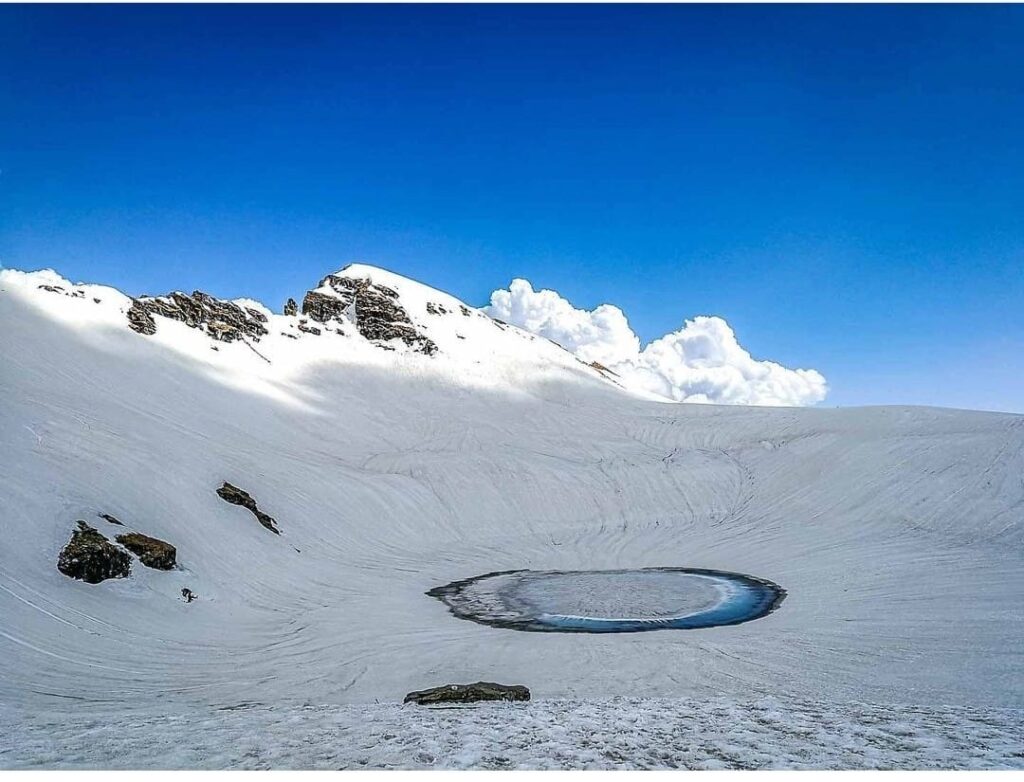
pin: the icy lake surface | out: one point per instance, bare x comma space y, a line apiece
611, 601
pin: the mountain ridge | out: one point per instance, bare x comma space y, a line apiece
355, 314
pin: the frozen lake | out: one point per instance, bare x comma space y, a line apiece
611, 601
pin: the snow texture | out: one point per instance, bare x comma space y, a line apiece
896, 531
557, 734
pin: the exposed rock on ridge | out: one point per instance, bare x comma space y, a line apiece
223, 320
373, 308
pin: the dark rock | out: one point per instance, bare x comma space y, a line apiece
469, 693
291, 308
236, 496
375, 309
140, 320
602, 368
465, 310
152, 552
111, 519
75, 294
309, 329
222, 320
188, 594
90, 557
321, 307
256, 315
436, 309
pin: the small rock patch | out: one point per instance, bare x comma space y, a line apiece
231, 493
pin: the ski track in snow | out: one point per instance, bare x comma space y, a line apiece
896, 531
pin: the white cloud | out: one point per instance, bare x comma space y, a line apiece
701, 362
602, 335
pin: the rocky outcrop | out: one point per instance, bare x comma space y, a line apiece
140, 320
469, 693
323, 307
231, 493
375, 309
152, 552
90, 557
223, 320
291, 308
111, 519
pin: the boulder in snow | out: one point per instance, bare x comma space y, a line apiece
152, 552
231, 493
469, 693
90, 557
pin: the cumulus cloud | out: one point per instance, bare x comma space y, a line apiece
701, 362
602, 334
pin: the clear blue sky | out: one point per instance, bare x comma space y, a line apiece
843, 184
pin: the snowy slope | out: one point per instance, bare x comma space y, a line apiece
619, 733
898, 532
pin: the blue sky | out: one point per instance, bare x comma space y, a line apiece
843, 184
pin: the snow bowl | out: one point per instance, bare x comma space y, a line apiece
610, 601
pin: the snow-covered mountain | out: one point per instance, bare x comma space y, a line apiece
360, 315
401, 440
